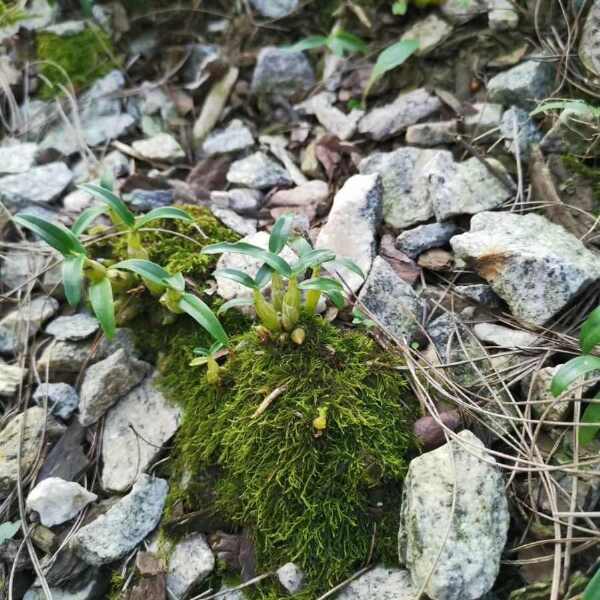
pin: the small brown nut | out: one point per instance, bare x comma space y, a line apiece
430, 434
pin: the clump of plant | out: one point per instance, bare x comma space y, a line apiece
339, 42
10, 14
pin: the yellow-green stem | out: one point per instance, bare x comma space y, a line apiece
213, 375
93, 270
290, 309
277, 291
134, 246
266, 312
313, 296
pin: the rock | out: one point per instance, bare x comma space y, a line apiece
229, 594
432, 134
517, 120
62, 398
74, 328
480, 293
162, 148
19, 265
430, 434
392, 301
147, 200
589, 52
424, 237
23, 322
39, 185
502, 15
468, 188
333, 119
357, 207
39, 14
258, 171
408, 108
504, 337
291, 578
242, 201
236, 136
11, 377
106, 382
17, 158
195, 69
436, 260
382, 583
464, 542
134, 432
430, 32
525, 85
573, 131
36, 424
408, 184
57, 501
242, 225
404, 267
117, 532
190, 563
535, 266
66, 460
486, 116
275, 9
277, 146
93, 590
459, 11
282, 72
310, 198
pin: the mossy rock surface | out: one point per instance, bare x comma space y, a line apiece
76, 60
318, 500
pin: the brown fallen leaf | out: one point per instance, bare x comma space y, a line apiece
405, 267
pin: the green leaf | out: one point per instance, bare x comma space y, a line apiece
8, 530
337, 298
586, 434
263, 276
350, 265
234, 303
592, 591
86, 218
237, 276
322, 284
166, 212
101, 299
57, 236
590, 331
307, 43
117, 205
86, 8
280, 233
176, 282
312, 259
73, 278
390, 58
576, 106
146, 269
400, 7
275, 262
341, 42
301, 246
204, 316
571, 371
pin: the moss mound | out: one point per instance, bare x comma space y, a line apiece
79, 59
319, 500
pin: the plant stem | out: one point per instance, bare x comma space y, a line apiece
266, 312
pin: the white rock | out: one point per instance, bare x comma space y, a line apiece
11, 377
504, 337
465, 542
380, 583
275, 9
432, 134
161, 147
459, 11
236, 136
134, 432
589, 52
58, 501
258, 171
332, 118
352, 224
191, 561
430, 32
242, 225
502, 15
62, 398
291, 577
17, 158
487, 115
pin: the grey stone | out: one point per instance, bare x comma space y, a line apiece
480, 293
424, 237
573, 132
17, 158
432, 134
524, 85
352, 224
93, 590
195, 71
459, 11
242, 225
190, 562
430, 32
258, 171
486, 116
589, 49
75, 327
282, 72
23, 322
117, 532
502, 15
62, 398
391, 300
106, 382
275, 9
36, 423
11, 378
291, 577
504, 337
408, 108
527, 132
468, 188
66, 28
537, 267
57, 501
135, 430
242, 201
461, 542
236, 136
381, 583
39, 185
410, 177
20, 265
162, 148
147, 200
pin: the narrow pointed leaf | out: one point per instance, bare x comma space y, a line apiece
166, 212
86, 218
204, 316
73, 278
237, 276
146, 269
323, 284
312, 259
177, 282
343, 41
392, 57
590, 331
300, 246
348, 264
275, 262
280, 233
592, 591
118, 206
337, 298
307, 43
57, 236
573, 370
263, 276
101, 299
587, 433
234, 303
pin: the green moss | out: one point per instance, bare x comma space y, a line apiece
590, 170
315, 500
77, 59
117, 581
10, 14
